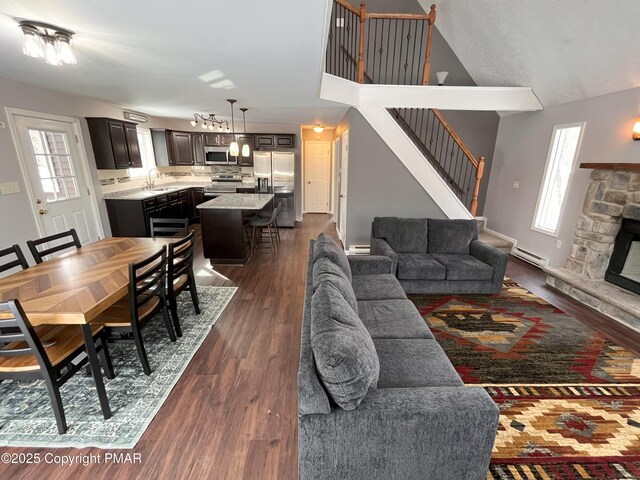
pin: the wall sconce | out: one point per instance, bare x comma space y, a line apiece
441, 76
635, 134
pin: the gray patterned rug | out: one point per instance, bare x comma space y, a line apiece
26, 417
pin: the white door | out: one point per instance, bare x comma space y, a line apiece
343, 171
317, 176
56, 176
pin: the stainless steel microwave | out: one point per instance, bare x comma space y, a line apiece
218, 156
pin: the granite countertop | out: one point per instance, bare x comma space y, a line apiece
238, 201
163, 189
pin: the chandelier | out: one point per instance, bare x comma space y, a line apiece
210, 122
42, 40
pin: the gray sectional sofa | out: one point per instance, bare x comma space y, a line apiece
377, 396
438, 256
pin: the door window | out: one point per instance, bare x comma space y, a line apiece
53, 161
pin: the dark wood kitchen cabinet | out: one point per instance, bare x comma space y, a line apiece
172, 147
197, 141
197, 197
181, 148
218, 139
266, 140
115, 143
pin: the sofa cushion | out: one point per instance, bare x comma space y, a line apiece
402, 234
464, 267
378, 286
326, 247
414, 362
451, 236
393, 319
344, 352
419, 266
324, 270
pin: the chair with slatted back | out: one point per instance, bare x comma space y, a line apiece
169, 227
19, 261
45, 352
180, 276
147, 295
33, 245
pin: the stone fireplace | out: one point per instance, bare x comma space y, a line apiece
613, 196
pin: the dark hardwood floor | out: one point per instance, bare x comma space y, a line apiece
232, 414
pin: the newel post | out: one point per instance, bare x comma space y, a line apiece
476, 188
363, 17
427, 53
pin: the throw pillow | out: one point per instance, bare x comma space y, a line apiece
324, 270
343, 350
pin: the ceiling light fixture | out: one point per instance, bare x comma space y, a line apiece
234, 148
42, 40
209, 122
246, 150
636, 130
318, 129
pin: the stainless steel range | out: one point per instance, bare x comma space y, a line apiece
221, 184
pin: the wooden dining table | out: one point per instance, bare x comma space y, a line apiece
74, 288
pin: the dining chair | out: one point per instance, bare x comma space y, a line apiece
180, 277
260, 226
19, 261
147, 295
33, 245
46, 352
169, 227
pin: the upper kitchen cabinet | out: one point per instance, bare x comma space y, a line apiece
115, 143
172, 148
218, 139
197, 141
264, 140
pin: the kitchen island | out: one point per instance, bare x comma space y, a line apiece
225, 231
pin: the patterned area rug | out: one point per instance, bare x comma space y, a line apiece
26, 417
569, 398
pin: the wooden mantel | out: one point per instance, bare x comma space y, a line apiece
634, 167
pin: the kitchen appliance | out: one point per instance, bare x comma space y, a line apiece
218, 156
275, 172
221, 184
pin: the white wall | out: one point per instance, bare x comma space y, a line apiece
521, 152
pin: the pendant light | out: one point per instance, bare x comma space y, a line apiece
234, 148
246, 150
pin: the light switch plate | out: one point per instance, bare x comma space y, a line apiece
516, 184
559, 244
9, 188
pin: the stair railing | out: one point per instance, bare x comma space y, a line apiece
395, 49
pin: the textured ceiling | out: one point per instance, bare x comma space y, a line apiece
565, 50
170, 58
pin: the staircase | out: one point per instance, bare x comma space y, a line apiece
395, 49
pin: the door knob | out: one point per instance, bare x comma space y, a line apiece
38, 201
42, 211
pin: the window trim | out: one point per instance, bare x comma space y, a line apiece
135, 175
574, 162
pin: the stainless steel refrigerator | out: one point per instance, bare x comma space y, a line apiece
275, 173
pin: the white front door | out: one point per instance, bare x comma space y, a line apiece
343, 171
55, 173
318, 177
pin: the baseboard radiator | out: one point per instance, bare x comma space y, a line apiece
358, 250
530, 257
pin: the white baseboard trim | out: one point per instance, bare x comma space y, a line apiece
502, 236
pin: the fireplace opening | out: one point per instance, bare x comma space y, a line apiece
624, 266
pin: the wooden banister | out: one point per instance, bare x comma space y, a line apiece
348, 6
363, 17
456, 138
427, 50
473, 208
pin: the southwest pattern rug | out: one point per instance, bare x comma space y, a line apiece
569, 398
26, 417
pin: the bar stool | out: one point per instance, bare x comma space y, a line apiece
260, 226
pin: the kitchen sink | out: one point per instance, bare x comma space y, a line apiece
159, 189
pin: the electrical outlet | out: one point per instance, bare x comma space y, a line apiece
340, 22
9, 188
516, 184
559, 244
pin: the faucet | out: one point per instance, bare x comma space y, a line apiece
150, 183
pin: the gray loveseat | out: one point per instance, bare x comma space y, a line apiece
438, 256
377, 396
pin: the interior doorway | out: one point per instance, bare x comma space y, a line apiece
55, 171
317, 176
342, 183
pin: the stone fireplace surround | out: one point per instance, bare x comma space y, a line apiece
614, 194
